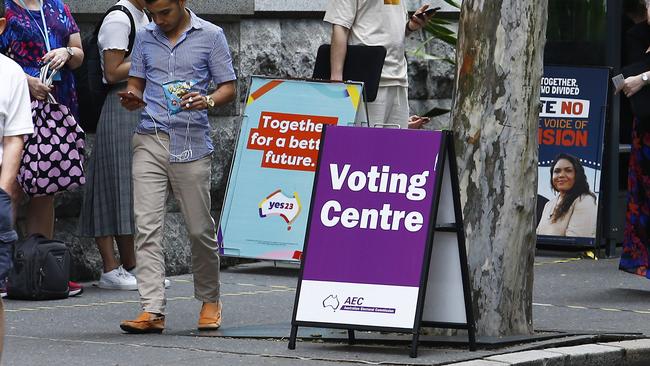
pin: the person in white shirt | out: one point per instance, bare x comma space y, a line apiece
377, 23
15, 121
107, 210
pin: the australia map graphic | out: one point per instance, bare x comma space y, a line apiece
278, 204
332, 301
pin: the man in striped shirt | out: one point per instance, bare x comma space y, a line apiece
172, 148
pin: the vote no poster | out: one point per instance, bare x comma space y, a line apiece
264, 215
369, 230
571, 137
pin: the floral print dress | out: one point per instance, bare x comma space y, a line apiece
23, 41
636, 239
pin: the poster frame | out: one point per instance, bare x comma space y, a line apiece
603, 215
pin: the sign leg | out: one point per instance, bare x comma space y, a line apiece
292, 337
351, 339
414, 345
471, 332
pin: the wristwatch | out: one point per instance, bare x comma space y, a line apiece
70, 51
209, 101
644, 77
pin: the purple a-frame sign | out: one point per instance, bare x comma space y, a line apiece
371, 226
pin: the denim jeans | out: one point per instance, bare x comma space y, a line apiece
8, 235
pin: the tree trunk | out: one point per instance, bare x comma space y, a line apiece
495, 119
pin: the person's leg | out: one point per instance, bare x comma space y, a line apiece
17, 196
398, 113
2, 327
150, 190
105, 246
126, 249
114, 276
191, 186
40, 216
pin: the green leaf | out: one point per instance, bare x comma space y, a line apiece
452, 40
440, 21
428, 57
452, 3
438, 29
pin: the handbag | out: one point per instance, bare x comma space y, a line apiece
53, 155
41, 269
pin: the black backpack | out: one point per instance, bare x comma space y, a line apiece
91, 90
41, 269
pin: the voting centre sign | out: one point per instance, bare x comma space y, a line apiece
370, 230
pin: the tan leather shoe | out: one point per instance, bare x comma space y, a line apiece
144, 323
210, 317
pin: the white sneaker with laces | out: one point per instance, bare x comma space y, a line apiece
167, 282
118, 279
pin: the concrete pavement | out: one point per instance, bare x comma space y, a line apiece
586, 312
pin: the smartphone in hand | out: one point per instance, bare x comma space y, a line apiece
131, 97
428, 12
618, 81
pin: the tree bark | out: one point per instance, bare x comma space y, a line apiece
495, 118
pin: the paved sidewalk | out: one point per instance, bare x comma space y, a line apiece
582, 309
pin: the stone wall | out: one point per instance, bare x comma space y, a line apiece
268, 38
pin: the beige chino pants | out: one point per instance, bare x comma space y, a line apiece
153, 177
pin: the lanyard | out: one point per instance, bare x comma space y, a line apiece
44, 31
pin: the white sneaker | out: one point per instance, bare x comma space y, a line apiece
166, 282
118, 279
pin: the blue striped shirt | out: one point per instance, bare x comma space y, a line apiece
201, 54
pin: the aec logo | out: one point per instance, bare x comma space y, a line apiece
332, 301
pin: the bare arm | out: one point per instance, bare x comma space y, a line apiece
37, 89
417, 22
136, 86
75, 43
633, 84
13, 151
225, 93
59, 57
115, 68
338, 51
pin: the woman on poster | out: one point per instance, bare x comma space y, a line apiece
573, 210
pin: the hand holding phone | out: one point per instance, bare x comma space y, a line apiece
421, 18
416, 122
427, 13
619, 83
131, 101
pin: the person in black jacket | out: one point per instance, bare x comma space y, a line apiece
636, 238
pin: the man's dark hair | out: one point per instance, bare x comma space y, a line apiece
153, 1
2, 8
